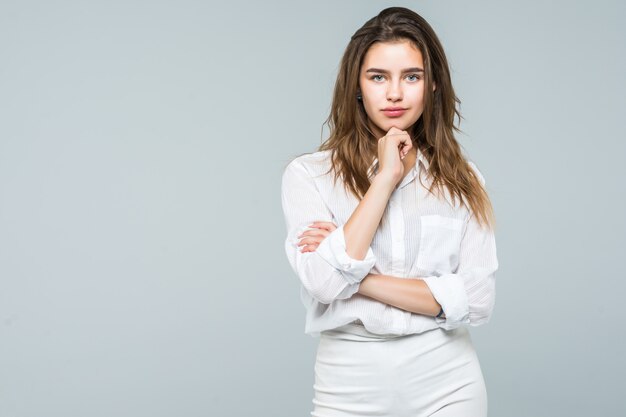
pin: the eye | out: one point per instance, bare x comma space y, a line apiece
415, 76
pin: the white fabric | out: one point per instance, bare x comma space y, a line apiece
432, 374
419, 237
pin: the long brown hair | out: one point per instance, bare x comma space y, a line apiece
352, 143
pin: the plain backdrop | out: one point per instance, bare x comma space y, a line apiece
142, 143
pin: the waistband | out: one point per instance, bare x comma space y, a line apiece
356, 330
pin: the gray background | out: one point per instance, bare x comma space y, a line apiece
142, 270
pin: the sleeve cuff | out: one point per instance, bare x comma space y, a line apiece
333, 250
449, 291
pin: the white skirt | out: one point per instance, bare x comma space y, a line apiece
434, 374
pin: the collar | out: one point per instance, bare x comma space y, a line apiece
421, 158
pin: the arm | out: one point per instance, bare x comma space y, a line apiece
328, 273
361, 226
466, 296
333, 271
408, 294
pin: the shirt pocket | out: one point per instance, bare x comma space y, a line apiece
440, 244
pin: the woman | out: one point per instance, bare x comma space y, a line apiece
390, 231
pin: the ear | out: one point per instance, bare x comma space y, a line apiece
434, 86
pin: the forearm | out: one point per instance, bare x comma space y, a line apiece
407, 294
361, 227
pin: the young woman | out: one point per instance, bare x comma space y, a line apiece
391, 233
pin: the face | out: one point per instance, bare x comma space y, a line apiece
392, 76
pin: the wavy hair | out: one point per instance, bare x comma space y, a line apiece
353, 145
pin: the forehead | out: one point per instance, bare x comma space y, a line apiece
393, 55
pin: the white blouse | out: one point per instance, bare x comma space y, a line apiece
419, 237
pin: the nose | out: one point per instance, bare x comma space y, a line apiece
394, 92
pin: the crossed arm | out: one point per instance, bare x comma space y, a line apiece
407, 294
340, 264
411, 295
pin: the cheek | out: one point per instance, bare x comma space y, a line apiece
369, 110
418, 97
370, 102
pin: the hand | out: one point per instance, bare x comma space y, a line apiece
312, 238
392, 148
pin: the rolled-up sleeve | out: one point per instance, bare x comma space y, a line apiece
468, 295
328, 273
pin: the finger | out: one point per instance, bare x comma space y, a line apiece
406, 147
330, 226
394, 130
399, 133
319, 223
405, 144
315, 232
310, 240
400, 139
319, 234
404, 138
309, 248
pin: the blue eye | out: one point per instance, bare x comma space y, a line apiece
417, 77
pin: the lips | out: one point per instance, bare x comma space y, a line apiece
394, 111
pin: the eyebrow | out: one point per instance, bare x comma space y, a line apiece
414, 69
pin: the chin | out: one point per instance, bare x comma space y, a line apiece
399, 124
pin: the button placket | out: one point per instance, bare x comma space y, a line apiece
396, 223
